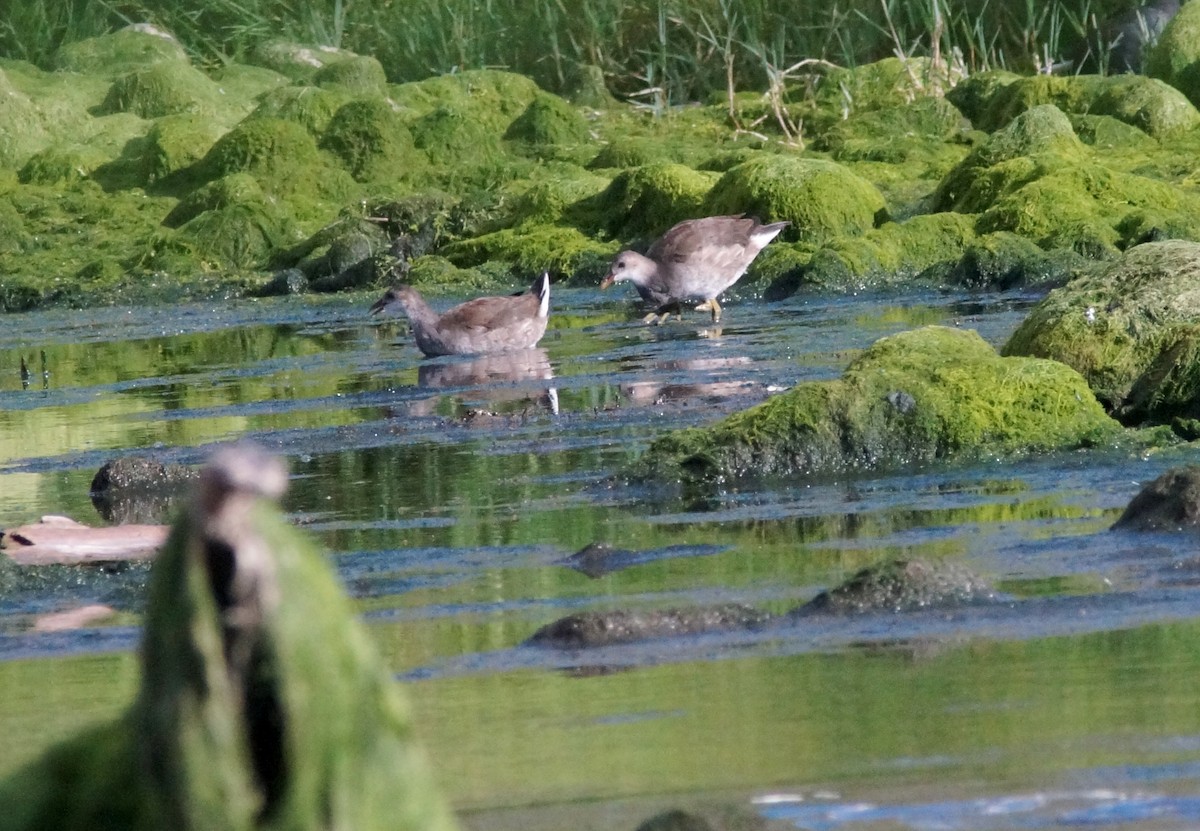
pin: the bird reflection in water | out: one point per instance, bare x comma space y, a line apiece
489, 384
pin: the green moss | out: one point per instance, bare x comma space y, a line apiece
1111, 324
551, 195
450, 135
530, 250
372, 141
551, 128
974, 95
490, 97
437, 274
164, 89
296, 60
1175, 57
1002, 260
645, 201
633, 151
821, 199
916, 397
234, 189
61, 165
1168, 390
125, 50
245, 83
360, 74
1103, 132
21, 130
177, 142
893, 253
1146, 103
236, 237
310, 107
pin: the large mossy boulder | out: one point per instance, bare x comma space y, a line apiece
372, 141
125, 50
916, 397
164, 89
263, 703
311, 107
551, 128
490, 97
1175, 58
1036, 179
821, 199
642, 202
1130, 324
1152, 106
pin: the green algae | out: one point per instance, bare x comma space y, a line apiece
556, 193
491, 97
921, 396
821, 199
1113, 324
452, 135
359, 74
119, 52
530, 251
262, 702
1175, 56
550, 128
645, 201
175, 143
297, 61
311, 107
372, 141
893, 253
164, 89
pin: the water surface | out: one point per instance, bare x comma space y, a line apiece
449, 492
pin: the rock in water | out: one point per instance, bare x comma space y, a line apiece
262, 704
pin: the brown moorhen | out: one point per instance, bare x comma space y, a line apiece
479, 326
695, 260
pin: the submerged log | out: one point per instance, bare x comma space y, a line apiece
262, 703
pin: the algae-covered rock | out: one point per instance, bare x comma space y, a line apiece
1168, 390
894, 253
176, 142
1169, 503
1003, 260
452, 135
163, 89
22, 132
372, 141
312, 107
297, 61
133, 47
645, 201
1175, 58
490, 97
360, 74
1114, 323
61, 165
1035, 178
902, 586
916, 397
550, 128
820, 199
589, 630
634, 151
234, 189
262, 702
530, 250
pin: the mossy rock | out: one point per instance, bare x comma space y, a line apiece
61, 165
234, 189
125, 50
1175, 57
176, 142
450, 135
551, 128
886, 83
893, 133
491, 97
164, 89
297, 61
309, 106
633, 151
645, 201
1151, 105
821, 199
1003, 260
529, 251
1148, 104
283, 156
288, 720
973, 96
921, 396
894, 253
372, 141
1170, 503
1168, 391
550, 196
245, 83
1113, 323
1103, 132
359, 74
238, 237
22, 131
13, 236
434, 274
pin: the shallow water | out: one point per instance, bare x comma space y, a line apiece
449, 493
